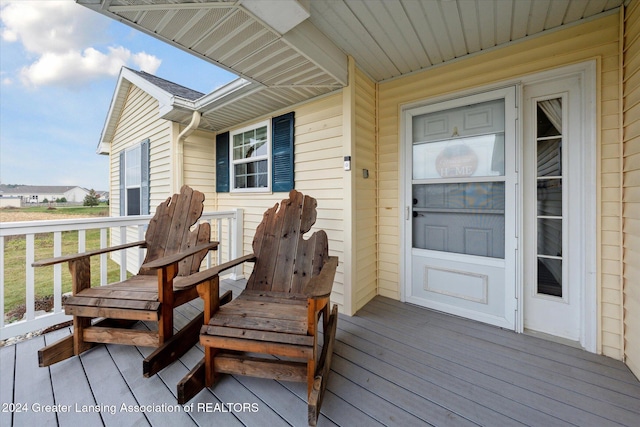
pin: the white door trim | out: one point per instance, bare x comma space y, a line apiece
587, 177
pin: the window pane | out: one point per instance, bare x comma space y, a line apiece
550, 237
475, 156
132, 167
465, 218
549, 114
550, 276
549, 160
549, 197
262, 174
133, 201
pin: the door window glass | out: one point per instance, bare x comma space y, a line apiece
549, 196
458, 185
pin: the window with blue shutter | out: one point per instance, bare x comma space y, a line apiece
282, 153
222, 162
257, 158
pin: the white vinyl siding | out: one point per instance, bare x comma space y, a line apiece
631, 190
138, 121
318, 173
365, 216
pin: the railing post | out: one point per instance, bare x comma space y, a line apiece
237, 242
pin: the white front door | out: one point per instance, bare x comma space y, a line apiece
556, 180
461, 208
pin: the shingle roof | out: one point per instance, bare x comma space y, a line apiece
172, 88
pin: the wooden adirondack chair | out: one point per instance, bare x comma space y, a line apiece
278, 312
173, 253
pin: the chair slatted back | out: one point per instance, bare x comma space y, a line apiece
285, 260
169, 231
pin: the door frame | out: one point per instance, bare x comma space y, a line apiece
510, 93
586, 176
587, 72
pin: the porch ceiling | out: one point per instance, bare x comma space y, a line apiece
387, 39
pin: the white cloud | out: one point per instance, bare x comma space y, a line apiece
62, 36
146, 62
75, 68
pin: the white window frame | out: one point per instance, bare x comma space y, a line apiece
127, 185
267, 157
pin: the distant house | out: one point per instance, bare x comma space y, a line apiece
33, 194
482, 160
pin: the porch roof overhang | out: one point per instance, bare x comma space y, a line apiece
281, 66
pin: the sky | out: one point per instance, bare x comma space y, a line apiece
59, 65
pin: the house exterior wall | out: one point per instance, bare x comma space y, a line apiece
365, 254
138, 121
75, 195
318, 161
631, 186
597, 39
199, 165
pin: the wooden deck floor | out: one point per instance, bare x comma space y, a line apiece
394, 364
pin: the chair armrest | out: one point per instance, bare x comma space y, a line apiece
320, 286
209, 273
65, 258
172, 259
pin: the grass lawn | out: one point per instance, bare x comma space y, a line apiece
15, 256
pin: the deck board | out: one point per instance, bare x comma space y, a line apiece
505, 375
394, 364
7, 364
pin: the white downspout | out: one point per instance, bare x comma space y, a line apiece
179, 165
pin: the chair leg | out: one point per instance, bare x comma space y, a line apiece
79, 325
56, 352
324, 365
203, 374
173, 348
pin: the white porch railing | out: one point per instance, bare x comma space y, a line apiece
227, 228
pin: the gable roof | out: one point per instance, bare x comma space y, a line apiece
177, 103
170, 87
166, 92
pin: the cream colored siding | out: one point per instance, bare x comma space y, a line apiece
366, 242
631, 191
593, 40
318, 173
139, 121
200, 165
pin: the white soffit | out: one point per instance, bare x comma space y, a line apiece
281, 15
230, 35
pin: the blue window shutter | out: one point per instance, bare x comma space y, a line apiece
282, 153
145, 199
222, 162
122, 189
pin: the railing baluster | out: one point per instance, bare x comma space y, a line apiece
123, 254
57, 273
141, 251
103, 257
219, 239
82, 241
30, 277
